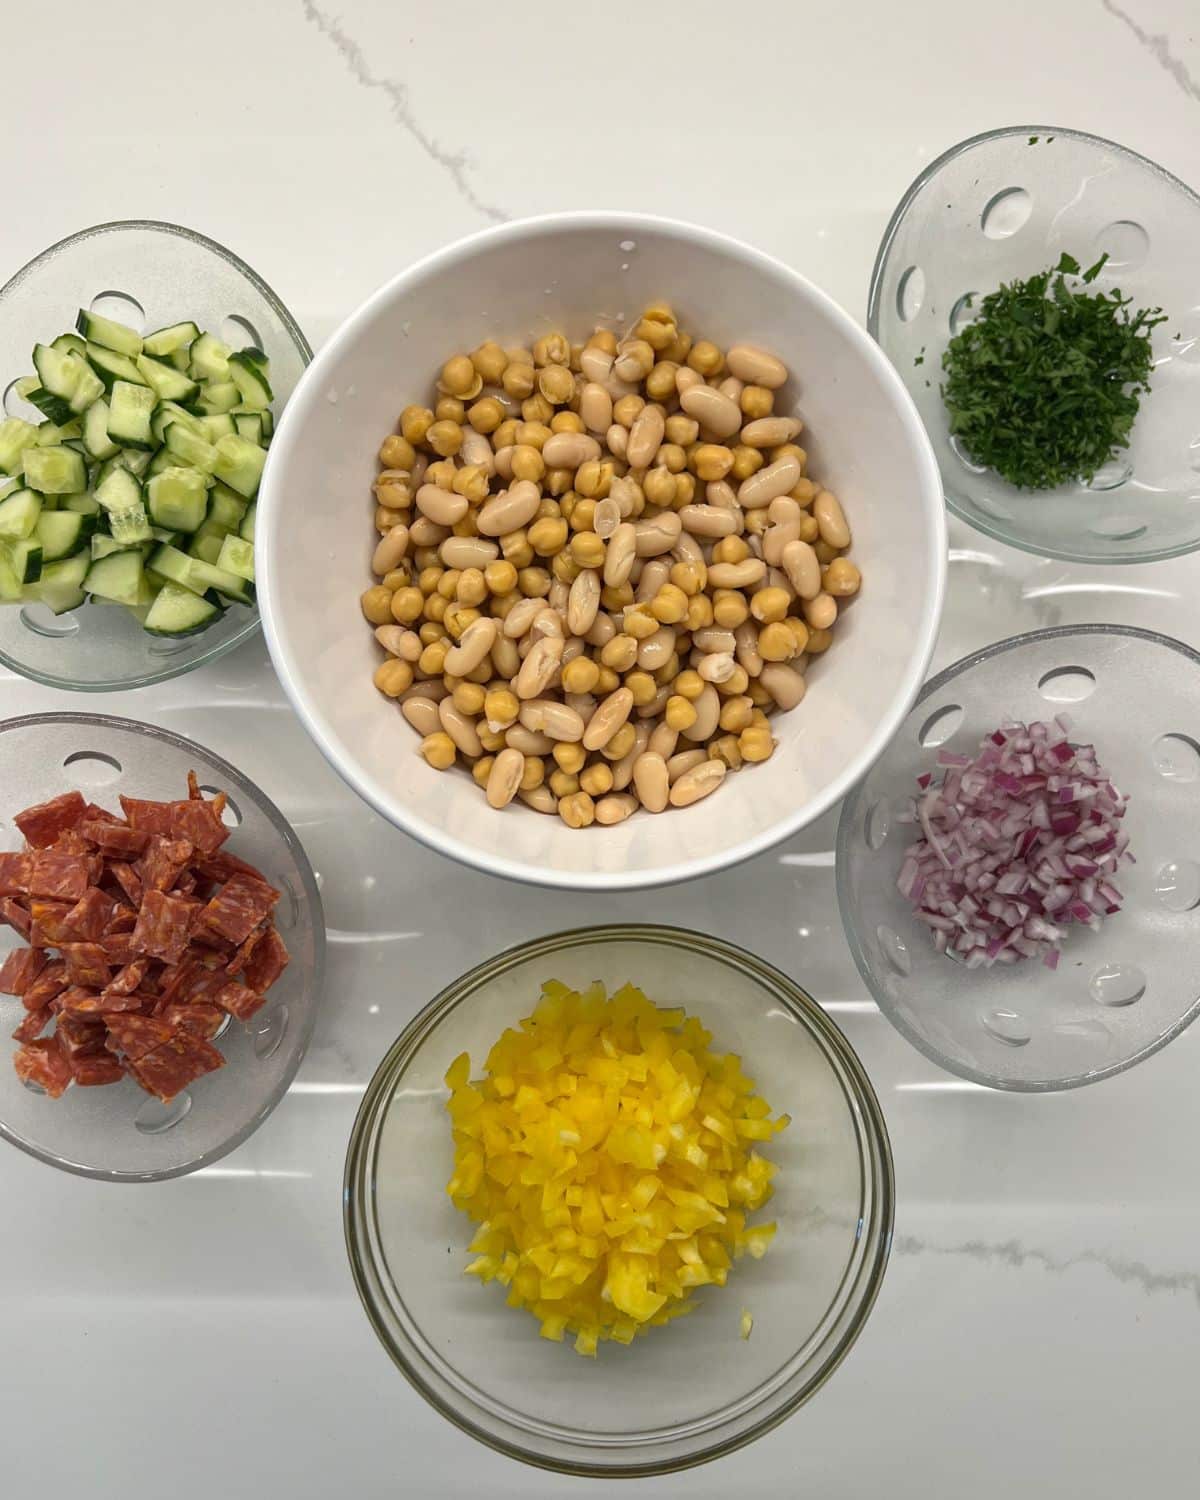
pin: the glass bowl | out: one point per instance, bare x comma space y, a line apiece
146, 274
1006, 204
684, 1393
119, 1133
1118, 994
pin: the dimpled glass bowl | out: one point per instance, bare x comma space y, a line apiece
146, 274
1005, 205
118, 1133
1118, 994
680, 1394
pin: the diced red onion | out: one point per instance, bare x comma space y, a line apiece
1017, 844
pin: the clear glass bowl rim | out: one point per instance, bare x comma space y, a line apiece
977, 520
358, 1186
312, 897
252, 625
845, 833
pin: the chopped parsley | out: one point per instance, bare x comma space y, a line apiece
1044, 385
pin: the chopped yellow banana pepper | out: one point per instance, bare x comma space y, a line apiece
609, 1160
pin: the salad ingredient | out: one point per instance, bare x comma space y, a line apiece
1016, 844
564, 531
150, 452
1044, 385
160, 936
610, 1159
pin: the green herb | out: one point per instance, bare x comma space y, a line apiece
1033, 140
1044, 385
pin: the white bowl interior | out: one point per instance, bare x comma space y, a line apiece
570, 272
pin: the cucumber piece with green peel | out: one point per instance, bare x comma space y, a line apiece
19, 514
15, 437
54, 471
97, 329
177, 498
166, 341
237, 557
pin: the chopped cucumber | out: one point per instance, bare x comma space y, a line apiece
63, 533
130, 409
54, 408
249, 425
112, 367
225, 508
54, 434
19, 514
118, 490
15, 437
164, 380
237, 557
10, 588
178, 499
239, 465
95, 432
67, 343
191, 449
247, 368
206, 545
246, 529
103, 545
130, 526
218, 396
82, 505
209, 359
25, 559
112, 335
118, 577
217, 425
54, 471
60, 586
209, 575
170, 340
178, 611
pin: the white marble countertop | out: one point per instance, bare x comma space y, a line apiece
1039, 1326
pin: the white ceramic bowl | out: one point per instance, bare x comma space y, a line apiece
570, 271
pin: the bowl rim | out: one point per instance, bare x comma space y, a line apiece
976, 519
172, 667
311, 894
291, 671
358, 1197
845, 832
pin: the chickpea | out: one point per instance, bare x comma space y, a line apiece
527, 462
501, 707
415, 422
730, 609
689, 684
711, 461
506, 434
490, 361
485, 415
705, 358
596, 780
587, 549
552, 349
643, 687
756, 401
641, 622
627, 409
569, 756
688, 577
435, 607
377, 605
439, 750
472, 589
825, 552
660, 382
841, 578
517, 379
548, 536
726, 748
755, 743
563, 783
730, 549
534, 582
406, 605
515, 548
681, 429
393, 677
607, 682
659, 486
468, 698
819, 641
449, 409
621, 743
556, 385
577, 811
445, 438
735, 714
776, 642
458, 375
580, 513
564, 568
672, 457
809, 530
700, 612
447, 584
580, 675
433, 659
500, 577
669, 605
593, 479
534, 773
679, 713
746, 461
397, 453
537, 409
566, 421
620, 653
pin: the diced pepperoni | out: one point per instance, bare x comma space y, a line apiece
127, 878
80, 1034
60, 877
237, 909
163, 862
94, 813
94, 1069
169, 1069
87, 964
119, 947
123, 919
192, 981
20, 969
201, 1020
163, 925
50, 926
223, 866
266, 963
128, 979
200, 823
238, 1000
49, 984
241, 955
115, 838
148, 817
80, 1000
12, 912
14, 874
135, 1035
42, 1063
185, 885
42, 824
34, 1024
90, 915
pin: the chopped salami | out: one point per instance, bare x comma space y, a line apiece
14, 874
12, 912
148, 817
50, 927
94, 1069
60, 877
129, 978
20, 969
94, 813
87, 964
185, 885
78, 1035
266, 963
169, 1068
119, 947
237, 909
49, 984
42, 1063
115, 838
223, 866
88, 919
241, 955
134, 1036
163, 925
201, 1020
200, 823
123, 920
238, 1000
34, 1024
127, 878
43, 824
163, 862
79, 1000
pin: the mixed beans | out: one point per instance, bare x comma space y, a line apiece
602, 568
